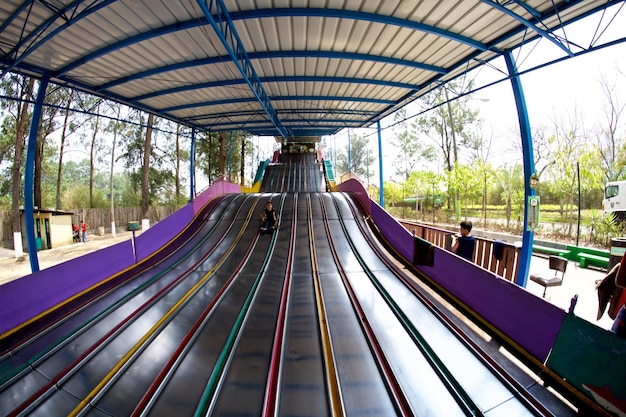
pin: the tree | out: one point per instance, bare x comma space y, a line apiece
46, 127
360, 157
412, 150
609, 143
92, 150
449, 125
115, 126
208, 153
64, 133
426, 186
510, 179
22, 88
145, 170
168, 156
213, 151
567, 145
449, 121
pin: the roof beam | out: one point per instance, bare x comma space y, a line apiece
280, 98
225, 29
282, 79
272, 55
292, 122
251, 113
59, 14
302, 132
530, 25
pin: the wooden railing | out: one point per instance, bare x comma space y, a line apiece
507, 266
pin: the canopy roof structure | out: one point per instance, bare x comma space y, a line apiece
284, 68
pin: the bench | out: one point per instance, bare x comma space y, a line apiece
551, 251
586, 259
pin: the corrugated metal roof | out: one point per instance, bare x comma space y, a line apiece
321, 65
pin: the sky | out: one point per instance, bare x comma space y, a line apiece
557, 91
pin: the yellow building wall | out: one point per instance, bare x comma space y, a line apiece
61, 231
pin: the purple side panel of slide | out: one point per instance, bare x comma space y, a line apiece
526, 319
27, 297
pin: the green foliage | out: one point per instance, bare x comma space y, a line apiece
602, 227
208, 154
412, 150
361, 157
451, 122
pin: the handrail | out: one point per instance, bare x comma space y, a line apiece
507, 266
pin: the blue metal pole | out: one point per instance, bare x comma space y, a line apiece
192, 166
349, 154
334, 155
29, 173
529, 167
381, 198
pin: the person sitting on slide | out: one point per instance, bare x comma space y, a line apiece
268, 217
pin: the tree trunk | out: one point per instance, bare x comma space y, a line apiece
508, 210
63, 133
145, 171
46, 126
243, 159
111, 195
20, 141
39, 151
222, 161
92, 154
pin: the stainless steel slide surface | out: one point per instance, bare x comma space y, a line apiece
294, 173
311, 320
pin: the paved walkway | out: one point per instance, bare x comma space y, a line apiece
578, 281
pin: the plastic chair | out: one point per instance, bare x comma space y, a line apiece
546, 279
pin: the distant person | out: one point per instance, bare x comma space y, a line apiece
83, 229
463, 244
75, 233
268, 218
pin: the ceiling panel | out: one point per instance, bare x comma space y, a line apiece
165, 57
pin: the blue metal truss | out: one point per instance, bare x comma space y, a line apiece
69, 14
225, 29
530, 25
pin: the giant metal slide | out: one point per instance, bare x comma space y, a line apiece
316, 319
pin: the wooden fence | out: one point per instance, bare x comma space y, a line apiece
507, 266
95, 218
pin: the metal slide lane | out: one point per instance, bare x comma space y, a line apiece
293, 173
22, 349
432, 346
309, 320
51, 358
213, 303
56, 324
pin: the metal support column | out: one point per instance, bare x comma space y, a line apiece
29, 173
529, 167
192, 166
349, 154
381, 198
